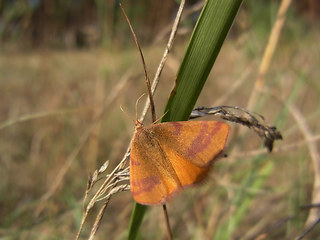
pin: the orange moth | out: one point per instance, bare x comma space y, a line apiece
167, 157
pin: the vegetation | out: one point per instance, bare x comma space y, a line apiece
49, 98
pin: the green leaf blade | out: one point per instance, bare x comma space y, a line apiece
205, 44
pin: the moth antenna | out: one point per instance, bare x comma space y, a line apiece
160, 117
127, 115
137, 106
153, 111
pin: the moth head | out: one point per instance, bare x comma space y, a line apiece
138, 124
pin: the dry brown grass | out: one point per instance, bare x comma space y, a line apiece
50, 100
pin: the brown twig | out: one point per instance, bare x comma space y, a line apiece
312, 225
165, 212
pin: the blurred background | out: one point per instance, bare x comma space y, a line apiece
62, 63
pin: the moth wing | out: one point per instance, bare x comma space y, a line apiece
168, 156
198, 142
187, 172
152, 177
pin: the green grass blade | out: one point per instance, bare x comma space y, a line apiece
136, 219
250, 186
211, 30
206, 41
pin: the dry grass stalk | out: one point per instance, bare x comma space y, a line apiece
118, 175
262, 227
314, 213
234, 87
214, 220
156, 78
85, 136
122, 188
110, 184
32, 116
93, 141
269, 52
266, 60
309, 229
242, 116
187, 12
283, 148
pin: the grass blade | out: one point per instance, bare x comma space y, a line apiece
206, 41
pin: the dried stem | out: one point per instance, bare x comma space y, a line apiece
269, 52
156, 78
165, 212
267, 57
314, 213
283, 148
85, 136
153, 110
110, 182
